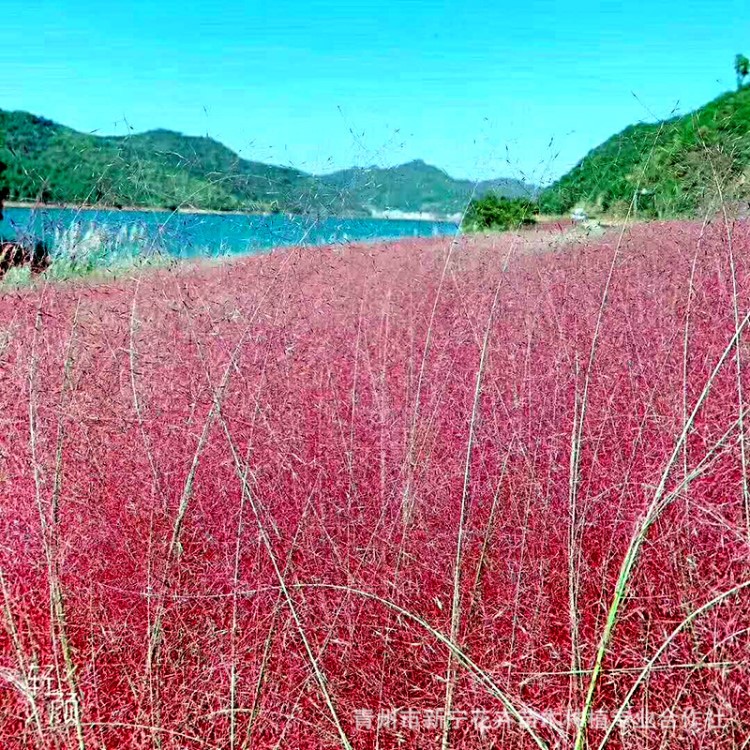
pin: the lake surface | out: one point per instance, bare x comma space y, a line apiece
193, 235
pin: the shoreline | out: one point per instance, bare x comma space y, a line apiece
376, 216
126, 209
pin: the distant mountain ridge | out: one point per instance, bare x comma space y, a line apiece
417, 187
51, 163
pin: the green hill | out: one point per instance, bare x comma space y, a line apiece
51, 163
416, 187
672, 165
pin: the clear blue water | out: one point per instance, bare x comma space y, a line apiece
193, 235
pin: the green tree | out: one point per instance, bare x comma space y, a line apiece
498, 212
742, 69
4, 192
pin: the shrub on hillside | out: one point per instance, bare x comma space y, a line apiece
497, 212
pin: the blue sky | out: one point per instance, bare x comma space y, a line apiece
479, 88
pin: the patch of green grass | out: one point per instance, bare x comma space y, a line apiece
65, 270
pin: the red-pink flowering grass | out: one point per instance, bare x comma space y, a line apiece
316, 498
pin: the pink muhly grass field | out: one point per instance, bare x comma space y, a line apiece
252, 505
